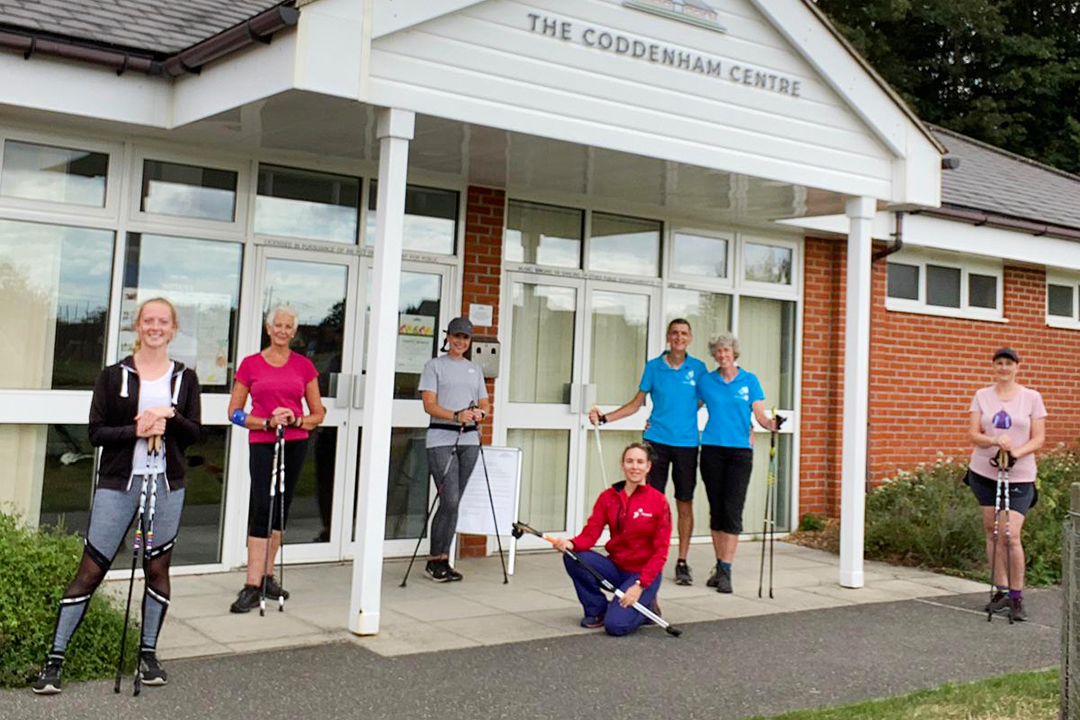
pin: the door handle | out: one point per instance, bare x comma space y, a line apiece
341, 388
575, 398
358, 387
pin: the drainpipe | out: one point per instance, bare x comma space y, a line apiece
898, 239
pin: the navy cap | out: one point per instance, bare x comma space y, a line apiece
1007, 353
460, 326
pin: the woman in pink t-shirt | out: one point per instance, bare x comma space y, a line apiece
278, 380
1006, 416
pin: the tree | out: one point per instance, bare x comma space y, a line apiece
1006, 72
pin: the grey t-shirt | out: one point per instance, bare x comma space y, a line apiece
456, 384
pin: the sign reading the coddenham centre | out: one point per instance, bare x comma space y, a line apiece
657, 54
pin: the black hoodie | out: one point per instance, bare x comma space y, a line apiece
112, 422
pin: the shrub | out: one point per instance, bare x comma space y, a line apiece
927, 516
811, 523
36, 566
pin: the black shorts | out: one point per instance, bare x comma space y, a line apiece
683, 464
726, 474
1022, 495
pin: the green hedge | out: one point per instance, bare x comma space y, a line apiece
36, 567
928, 517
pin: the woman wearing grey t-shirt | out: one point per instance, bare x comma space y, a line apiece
455, 396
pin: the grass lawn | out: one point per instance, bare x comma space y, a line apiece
1023, 696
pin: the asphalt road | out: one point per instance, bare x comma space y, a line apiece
716, 670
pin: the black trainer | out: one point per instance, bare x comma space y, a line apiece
1016, 610
246, 600
274, 589
682, 574
455, 576
151, 670
720, 579
999, 603
438, 570
48, 680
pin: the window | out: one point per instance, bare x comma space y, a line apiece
944, 284
1062, 306
543, 234
430, 219
54, 174
767, 263
699, 256
304, 204
202, 279
624, 245
188, 191
54, 286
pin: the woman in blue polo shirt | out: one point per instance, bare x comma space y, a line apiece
671, 379
730, 394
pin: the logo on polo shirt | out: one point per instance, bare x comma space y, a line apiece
690, 377
744, 393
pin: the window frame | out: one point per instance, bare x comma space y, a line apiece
192, 226
670, 275
967, 265
318, 243
1068, 279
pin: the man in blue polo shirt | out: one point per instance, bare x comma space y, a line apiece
672, 380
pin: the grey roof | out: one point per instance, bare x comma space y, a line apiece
157, 26
1002, 182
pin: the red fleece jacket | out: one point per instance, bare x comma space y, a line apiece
640, 527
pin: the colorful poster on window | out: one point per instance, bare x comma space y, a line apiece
415, 343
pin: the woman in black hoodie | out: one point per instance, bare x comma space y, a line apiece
145, 400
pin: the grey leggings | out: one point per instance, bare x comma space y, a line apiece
451, 474
110, 517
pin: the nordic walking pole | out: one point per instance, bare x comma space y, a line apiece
993, 548
438, 495
521, 528
600, 450
281, 497
154, 446
491, 501
768, 529
135, 546
1004, 459
268, 560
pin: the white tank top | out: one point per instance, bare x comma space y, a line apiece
152, 393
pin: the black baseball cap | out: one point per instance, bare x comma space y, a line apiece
460, 326
1007, 353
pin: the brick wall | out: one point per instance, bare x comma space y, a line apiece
485, 209
924, 370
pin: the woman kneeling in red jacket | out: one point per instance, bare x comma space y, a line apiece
639, 520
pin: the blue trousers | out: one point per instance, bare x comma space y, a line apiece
617, 619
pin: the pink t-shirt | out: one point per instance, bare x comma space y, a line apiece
272, 387
1012, 417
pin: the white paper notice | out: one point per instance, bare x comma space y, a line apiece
481, 315
474, 511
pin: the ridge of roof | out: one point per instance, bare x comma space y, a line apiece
1002, 151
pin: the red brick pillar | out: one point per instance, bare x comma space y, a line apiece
821, 414
485, 212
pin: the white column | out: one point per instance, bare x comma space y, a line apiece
395, 130
860, 212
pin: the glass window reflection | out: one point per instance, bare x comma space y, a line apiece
188, 191
204, 507
202, 279
54, 174
59, 279
700, 255
430, 219
767, 263
624, 245
419, 333
543, 234
306, 204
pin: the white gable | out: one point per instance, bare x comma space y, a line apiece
633, 76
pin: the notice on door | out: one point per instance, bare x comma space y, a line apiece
415, 343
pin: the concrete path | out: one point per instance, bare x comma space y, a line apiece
718, 669
538, 603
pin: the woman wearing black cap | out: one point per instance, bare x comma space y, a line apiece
1006, 416
455, 396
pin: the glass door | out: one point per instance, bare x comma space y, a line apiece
619, 329
323, 288
543, 402
423, 311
